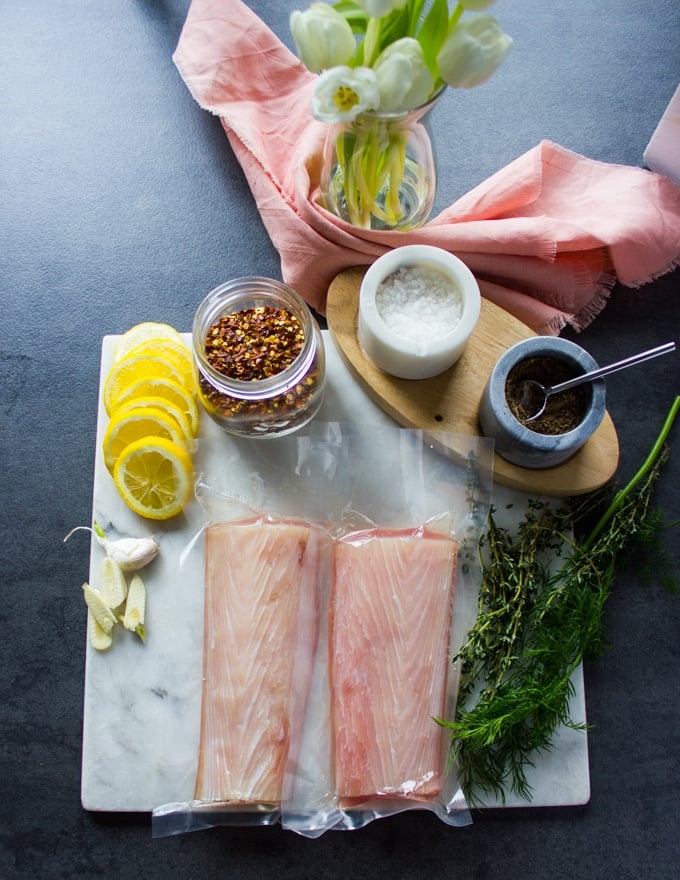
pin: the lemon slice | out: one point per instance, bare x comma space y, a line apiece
141, 333
132, 368
127, 425
170, 390
154, 477
175, 352
156, 403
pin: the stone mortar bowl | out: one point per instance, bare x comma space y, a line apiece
517, 442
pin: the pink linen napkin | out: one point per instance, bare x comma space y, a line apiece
546, 237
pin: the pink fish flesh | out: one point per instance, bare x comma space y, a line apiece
261, 618
390, 617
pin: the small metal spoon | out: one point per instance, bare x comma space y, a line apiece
535, 396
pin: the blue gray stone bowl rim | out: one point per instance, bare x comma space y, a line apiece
514, 441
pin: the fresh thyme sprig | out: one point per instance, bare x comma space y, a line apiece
540, 615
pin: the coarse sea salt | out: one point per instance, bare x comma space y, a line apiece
419, 303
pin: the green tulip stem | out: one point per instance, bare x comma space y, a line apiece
373, 163
458, 10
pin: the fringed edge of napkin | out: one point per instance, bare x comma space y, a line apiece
583, 256
654, 276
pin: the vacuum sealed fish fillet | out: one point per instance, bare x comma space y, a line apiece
390, 621
260, 634
339, 580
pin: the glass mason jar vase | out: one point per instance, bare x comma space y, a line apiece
378, 171
259, 358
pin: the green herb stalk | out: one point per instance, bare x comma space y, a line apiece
539, 616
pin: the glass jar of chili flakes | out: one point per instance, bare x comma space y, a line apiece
259, 356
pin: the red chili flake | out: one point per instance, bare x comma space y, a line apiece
254, 343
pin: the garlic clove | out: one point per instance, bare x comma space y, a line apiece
99, 638
131, 554
101, 612
135, 607
112, 585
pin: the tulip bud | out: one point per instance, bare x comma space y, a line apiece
380, 8
322, 36
473, 52
404, 79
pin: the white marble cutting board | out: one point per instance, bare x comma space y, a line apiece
142, 702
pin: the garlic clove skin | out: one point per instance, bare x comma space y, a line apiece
131, 554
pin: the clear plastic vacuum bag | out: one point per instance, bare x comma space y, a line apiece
341, 575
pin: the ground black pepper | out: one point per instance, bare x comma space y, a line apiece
563, 411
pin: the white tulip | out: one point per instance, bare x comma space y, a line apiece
473, 52
322, 36
404, 79
342, 93
380, 8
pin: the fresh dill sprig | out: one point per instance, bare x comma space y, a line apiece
539, 616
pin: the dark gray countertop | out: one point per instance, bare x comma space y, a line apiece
121, 201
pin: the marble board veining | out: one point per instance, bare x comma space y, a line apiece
142, 701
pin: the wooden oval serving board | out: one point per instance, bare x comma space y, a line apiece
450, 402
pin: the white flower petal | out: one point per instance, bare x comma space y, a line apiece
403, 77
322, 36
342, 93
473, 52
380, 8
